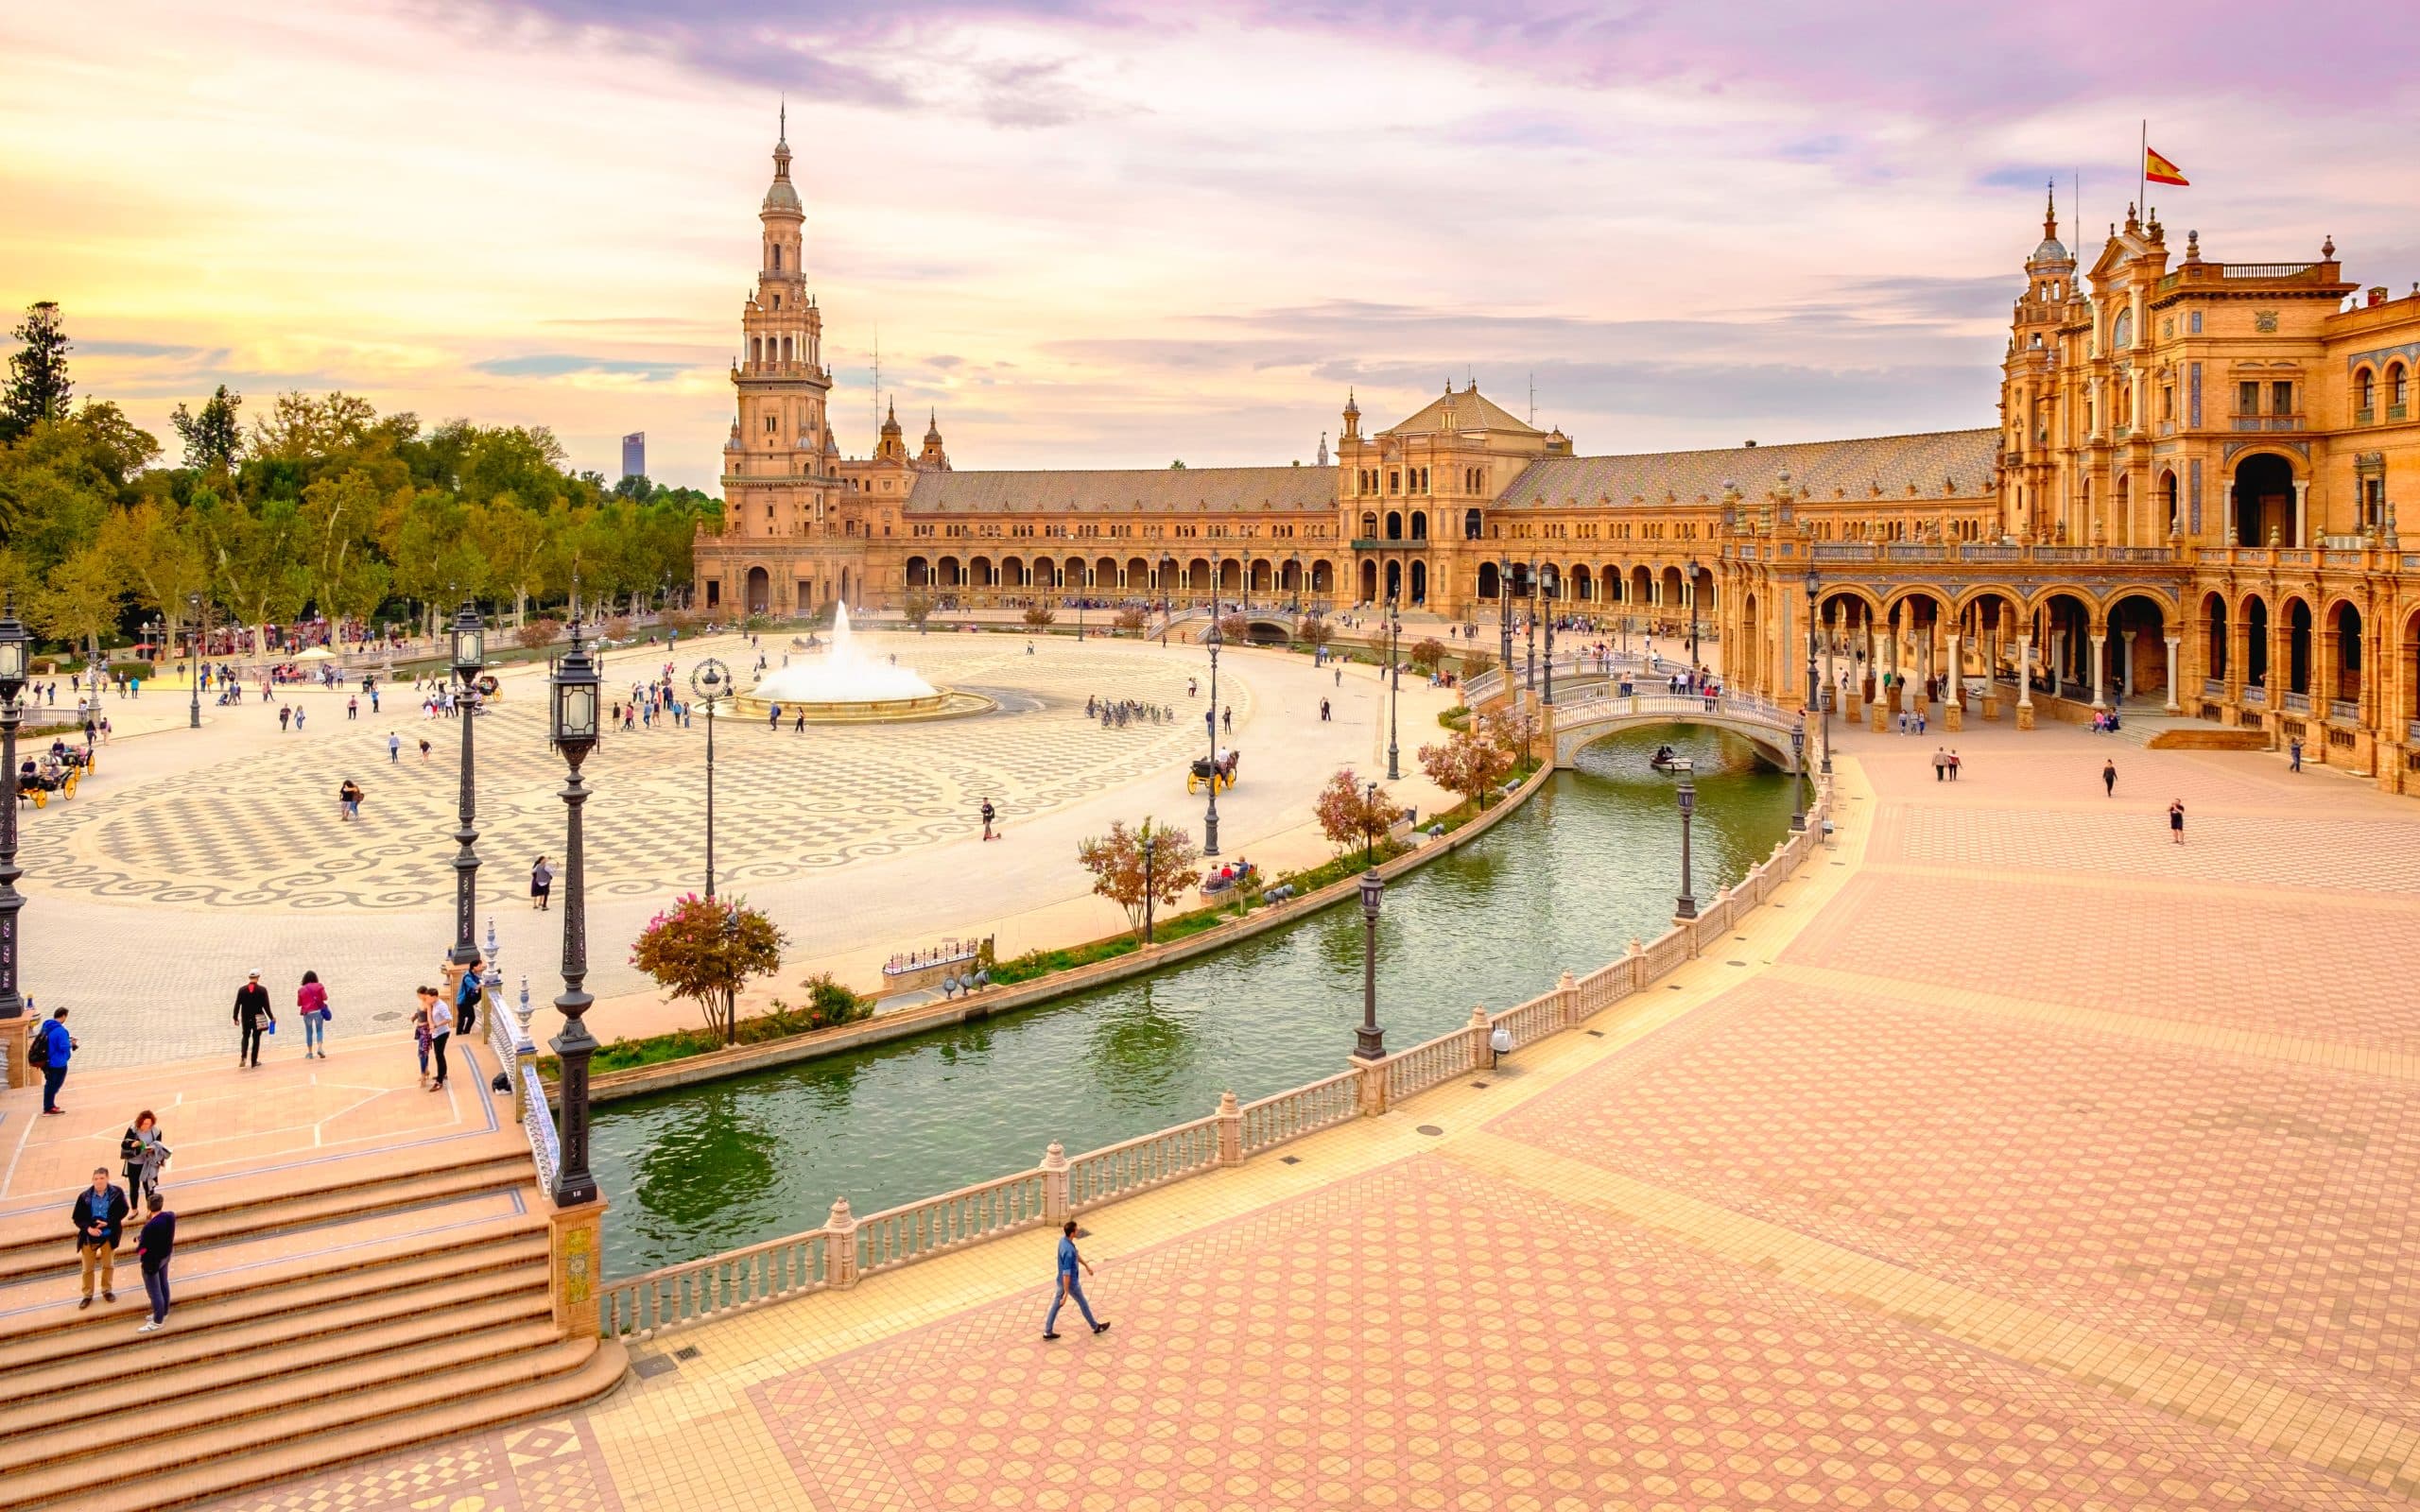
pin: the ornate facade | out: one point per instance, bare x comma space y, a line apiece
2188, 499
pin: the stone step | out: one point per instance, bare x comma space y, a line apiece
279, 1435
154, 1370
515, 1244
292, 1374
31, 1246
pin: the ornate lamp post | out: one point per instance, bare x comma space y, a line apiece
1687, 794
1080, 601
1150, 865
1818, 696
201, 634
1394, 683
1168, 565
1296, 562
1210, 717
13, 646
1531, 680
710, 679
1369, 1042
1689, 592
1548, 586
469, 656
1504, 605
573, 717
1798, 777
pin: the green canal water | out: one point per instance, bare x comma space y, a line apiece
1567, 881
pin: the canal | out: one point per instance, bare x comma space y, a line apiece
1589, 862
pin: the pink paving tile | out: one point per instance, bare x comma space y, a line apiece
2122, 951
2131, 839
2256, 1213
1423, 1336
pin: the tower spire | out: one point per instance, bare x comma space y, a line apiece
2050, 214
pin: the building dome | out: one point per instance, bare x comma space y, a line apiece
2050, 251
783, 196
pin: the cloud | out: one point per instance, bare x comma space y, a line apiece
562, 365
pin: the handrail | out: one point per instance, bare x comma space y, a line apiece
847, 1248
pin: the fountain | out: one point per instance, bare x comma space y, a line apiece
845, 685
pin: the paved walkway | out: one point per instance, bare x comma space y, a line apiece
2012, 1156
219, 853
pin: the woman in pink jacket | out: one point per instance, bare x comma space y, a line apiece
312, 1001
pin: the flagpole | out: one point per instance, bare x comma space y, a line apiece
2143, 165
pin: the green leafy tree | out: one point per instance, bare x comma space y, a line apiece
153, 545
38, 386
80, 599
215, 438
1142, 870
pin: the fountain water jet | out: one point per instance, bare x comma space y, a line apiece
844, 684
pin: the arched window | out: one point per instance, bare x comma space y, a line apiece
777, 259
1420, 526
787, 354
2121, 331
2397, 383
756, 352
2365, 391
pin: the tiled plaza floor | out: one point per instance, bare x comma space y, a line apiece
2018, 1159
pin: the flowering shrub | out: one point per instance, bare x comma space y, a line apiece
705, 950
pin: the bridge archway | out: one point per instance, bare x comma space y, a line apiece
1760, 722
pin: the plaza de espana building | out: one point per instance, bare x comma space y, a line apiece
2186, 509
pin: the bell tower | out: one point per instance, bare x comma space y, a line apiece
776, 479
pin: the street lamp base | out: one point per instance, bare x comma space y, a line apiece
1368, 1044
1686, 909
1797, 823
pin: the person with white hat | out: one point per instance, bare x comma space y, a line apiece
254, 1017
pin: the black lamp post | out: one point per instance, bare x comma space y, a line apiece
1504, 604
1798, 777
1296, 562
1818, 696
1150, 872
1689, 592
710, 679
1369, 1042
469, 656
14, 643
1168, 565
1687, 794
573, 689
1548, 585
1394, 684
1080, 601
1532, 616
1210, 717
201, 634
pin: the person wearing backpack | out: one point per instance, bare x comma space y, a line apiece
49, 1051
466, 999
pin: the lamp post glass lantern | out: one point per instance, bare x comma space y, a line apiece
1687, 906
1369, 1042
1798, 777
194, 602
14, 646
1210, 717
1394, 686
572, 691
470, 657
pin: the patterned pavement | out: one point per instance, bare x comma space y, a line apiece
2017, 1158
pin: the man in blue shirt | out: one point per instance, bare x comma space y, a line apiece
100, 1210
55, 1045
1069, 1286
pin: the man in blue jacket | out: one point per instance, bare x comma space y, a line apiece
52, 1046
101, 1216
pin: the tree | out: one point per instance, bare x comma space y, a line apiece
1314, 632
1140, 870
80, 599
1351, 812
154, 544
1425, 656
215, 438
1131, 620
917, 607
540, 631
38, 384
1039, 617
1234, 629
1469, 762
705, 950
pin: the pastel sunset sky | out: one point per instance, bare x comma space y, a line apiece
1097, 233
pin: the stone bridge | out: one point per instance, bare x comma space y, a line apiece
1759, 721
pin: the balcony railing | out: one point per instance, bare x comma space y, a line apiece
2395, 412
2266, 423
2142, 554
2254, 697
1991, 554
2214, 687
1916, 551
2344, 710
1374, 543
1843, 551
2265, 269
2364, 416
2298, 703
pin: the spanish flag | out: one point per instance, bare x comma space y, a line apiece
2159, 170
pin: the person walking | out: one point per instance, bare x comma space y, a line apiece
100, 1216
53, 1045
253, 1017
1230, 718
542, 884
394, 747
2109, 778
2176, 820
1324, 712
141, 1153
989, 813
1069, 1286
152, 1247
349, 800
440, 1029
311, 1001
2294, 751
352, 707
1953, 765
1940, 764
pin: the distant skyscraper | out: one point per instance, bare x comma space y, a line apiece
634, 454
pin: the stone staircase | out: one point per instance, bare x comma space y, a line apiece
335, 1310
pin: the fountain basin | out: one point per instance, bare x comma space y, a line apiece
844, 686
943, 703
